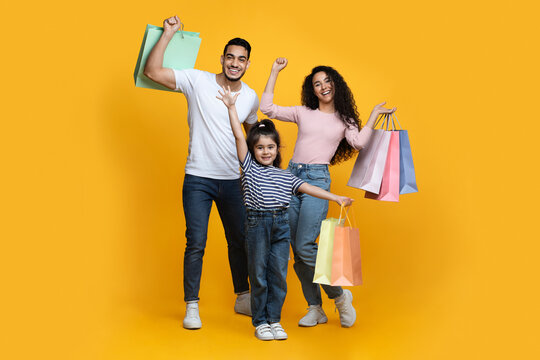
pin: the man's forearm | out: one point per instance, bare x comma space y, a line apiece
155, 59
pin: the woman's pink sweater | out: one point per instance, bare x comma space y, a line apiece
319, 133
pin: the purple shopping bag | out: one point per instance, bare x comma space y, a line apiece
407, 176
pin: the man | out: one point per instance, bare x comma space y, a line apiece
212, 166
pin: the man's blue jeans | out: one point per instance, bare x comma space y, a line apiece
267, 243
198, 194
305, 216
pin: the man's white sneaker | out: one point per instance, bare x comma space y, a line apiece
264, 332
192, 320
347, 314
277, 330
243, 304
314, 316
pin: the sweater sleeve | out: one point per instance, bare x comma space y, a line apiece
283, 113
358, 139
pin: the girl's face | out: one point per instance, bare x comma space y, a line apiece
265, 150
323, 87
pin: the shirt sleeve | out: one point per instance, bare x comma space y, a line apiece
283, 113
185, 79
248, 162
296, 183
252, 117
358, 139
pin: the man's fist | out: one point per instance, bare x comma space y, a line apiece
171, 24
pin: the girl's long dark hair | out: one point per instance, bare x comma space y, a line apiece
343, 103
264, 128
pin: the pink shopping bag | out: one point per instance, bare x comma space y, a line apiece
389, 190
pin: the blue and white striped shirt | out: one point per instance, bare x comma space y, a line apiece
267, 187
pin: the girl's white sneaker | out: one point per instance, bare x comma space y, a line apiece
264, 332
279, 333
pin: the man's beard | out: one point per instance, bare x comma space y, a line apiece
231, 79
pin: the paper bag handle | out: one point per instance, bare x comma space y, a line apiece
381, 116
181, 29
395, 117
346, 215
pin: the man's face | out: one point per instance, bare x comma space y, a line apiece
235, 62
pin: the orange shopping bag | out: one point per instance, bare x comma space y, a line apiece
346, 264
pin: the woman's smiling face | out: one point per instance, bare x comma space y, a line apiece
323, 87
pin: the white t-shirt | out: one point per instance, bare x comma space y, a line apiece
212, 147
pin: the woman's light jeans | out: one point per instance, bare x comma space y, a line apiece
305, 216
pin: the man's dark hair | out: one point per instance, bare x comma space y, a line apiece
239, 42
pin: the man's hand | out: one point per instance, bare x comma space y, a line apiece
171, 25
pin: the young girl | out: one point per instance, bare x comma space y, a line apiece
267, 191
328, 133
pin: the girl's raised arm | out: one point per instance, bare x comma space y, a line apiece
230, 100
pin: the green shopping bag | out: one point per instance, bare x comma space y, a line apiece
325, 251
181, 53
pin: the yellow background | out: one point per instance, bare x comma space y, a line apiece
92, 224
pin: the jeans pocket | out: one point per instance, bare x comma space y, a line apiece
252, 221
318, 174
283, 219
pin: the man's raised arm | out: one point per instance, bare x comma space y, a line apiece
154, 69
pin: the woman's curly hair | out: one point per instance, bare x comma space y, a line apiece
343, 103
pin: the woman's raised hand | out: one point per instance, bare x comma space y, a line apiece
279, 64
171, 24
380, 109
227, 97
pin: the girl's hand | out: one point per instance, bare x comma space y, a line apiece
227, 97
380, 109
279, 64
343, 200
172, 24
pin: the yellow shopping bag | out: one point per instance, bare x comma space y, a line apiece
338, 255
323, 266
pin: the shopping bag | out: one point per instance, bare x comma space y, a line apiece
375, 170
364, 158
407, 177
323, 264
181, 53
389, 190
346, 263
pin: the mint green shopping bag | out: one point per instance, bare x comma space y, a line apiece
181, 53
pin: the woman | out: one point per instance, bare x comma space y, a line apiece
328, 133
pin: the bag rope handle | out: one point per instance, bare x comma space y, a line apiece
395, 117
381, 116
346, 215
181, 29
